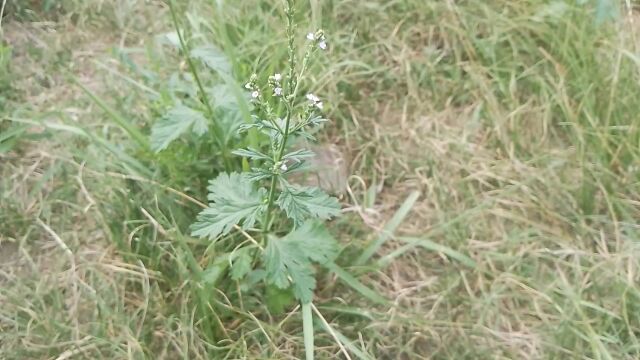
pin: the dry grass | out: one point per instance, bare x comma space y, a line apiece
513, 125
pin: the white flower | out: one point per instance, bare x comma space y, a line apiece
322, 45
311, 36
248, 86
284, 167
315, 101
277, 91
277, 77
255, 94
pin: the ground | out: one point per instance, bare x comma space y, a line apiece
492, 147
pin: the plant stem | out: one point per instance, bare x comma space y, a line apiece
307, 329
203, 94
293, 81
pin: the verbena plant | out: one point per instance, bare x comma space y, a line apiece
239, 200
281, 222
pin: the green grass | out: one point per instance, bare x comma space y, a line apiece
515, 122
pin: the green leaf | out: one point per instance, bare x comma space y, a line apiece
214, 271
213, 57
257, 174
252, 154
241, 264
175, 123
233, 201
299, 155
278, 300
288, 261
302, 203
223, 97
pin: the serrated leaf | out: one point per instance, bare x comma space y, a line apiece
288, 261
233, 201
299, 155
213, 57
252, 154
223, 97
241, 264
175, 123
257, 174
301, 203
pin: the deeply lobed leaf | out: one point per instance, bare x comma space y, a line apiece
288, 261
175, 123
302, 202
233, 201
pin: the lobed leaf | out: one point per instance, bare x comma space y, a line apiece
175, 123
288, 261
233, 201
301, 203
241, 264
299, 155
213, 57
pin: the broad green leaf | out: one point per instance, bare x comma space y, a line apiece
302, 203
223, 97
288, 261
233, 201
213, 57
241, 264
174, 124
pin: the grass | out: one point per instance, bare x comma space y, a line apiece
514, 122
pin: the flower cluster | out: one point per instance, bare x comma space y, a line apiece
251, 86
318, 38
274, 81
314, 101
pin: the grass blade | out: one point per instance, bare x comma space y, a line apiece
135, 134
354, 283
389, 228
412, 243
343, 342
307, 329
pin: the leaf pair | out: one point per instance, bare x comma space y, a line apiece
233, 201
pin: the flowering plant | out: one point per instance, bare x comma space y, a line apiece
282, 221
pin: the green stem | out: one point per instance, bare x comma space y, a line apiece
203, 94
293, 81
307, 330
